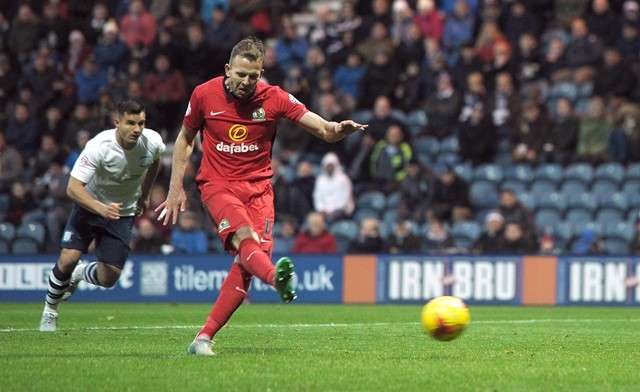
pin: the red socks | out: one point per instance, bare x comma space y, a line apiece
255, 261
232, 293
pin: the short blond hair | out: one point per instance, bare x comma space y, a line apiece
250, 48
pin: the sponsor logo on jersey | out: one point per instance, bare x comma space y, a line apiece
188, 112
238, 133
236, 148
258, 114
294, 100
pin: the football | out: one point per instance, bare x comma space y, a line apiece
444, 318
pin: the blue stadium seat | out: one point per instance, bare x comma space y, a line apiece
563, 233
4, 202
488, 172
554, 200
603, 187
342, 244
610, 171
616, 246
450, 145
427, 145
633, 172
616, 200
346, 229
464, 171
32, 230
550, 172
633, 215
390, 216
579, 171
582, 200
578, 217
449, 158
24, 246
515, 185
631, 187
519, 172
416, 121
465, 233
623, 230
609, 215
372, 200
483, 194
527, 200
547, 218
540, 187
363, 213
4, 247
573, 187
394, 200
7, 231
634, 200
362, 116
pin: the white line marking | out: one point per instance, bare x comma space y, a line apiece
326, 325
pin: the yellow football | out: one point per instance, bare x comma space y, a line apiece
444, 318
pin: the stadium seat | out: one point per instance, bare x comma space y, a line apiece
563, 233
632, 172
633, 215
519, 172
616, 200
582, 200
394, 200
527, 200
416, 121
573, 187
427, 145
610, 171
450, 145
465, 233
547, 218
603, 187
363, 213
578, 217
634, 200
7, 231
342, 244
515, 185
616, 246
550, 172
346, 229
372, 200
24, 246
488, 172
483, 194
540, 187
449, 159
609, 215
4, 247
631, 187
579, 171
390, 216
4, 202
554, 200
623, 230
32, 230
464, 171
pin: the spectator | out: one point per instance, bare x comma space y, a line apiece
302, 187
197, 65
188, 237
82, 137
390, 158
526, 138
272, 71
584, 47
429, 19
588, 243
369, 239
624, 140
291, 49
477, 137
601, 20
21, 202
411, 48
111, 53
491, 240
458, 30
186, 17
615, 78
165, 88
402, 239
488, 39
316, 239
24, 32
416, 188
438, 239
54, 28
628, 44
594, 132
138, 26
514, 212
474, 96
54, 123
94, 26
222, 30
504, 104
22, 130
284, 240
519, 22
77, 52
8, 82
90, 80
332, 193
348, 76
379, 80
442, 108
450, 200
378, 42
516, 240
40, 78
48, 153
80, 120
561, 138
10, 164
148, 240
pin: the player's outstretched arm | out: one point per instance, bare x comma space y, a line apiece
77, 193
329, 131
176, 199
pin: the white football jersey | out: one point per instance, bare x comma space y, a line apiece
113, 174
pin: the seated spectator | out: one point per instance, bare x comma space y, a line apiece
526, 138
21, 202
477, 137
516, 241
588, 243
624, 140
148, 239
438, 240
450, 201
416, 189
188, 237
316, 239
10, 164
283, 242
615, 77
513, 211
402, 239
490, 242
594, 132
379, 79
165, 88
369, 239
629, 44
138, 26
110, 52
504, 104
442, 108
347, 76
561, 138
390, 158
48, 153
458, 29
90, 80
584, 48
332, 193
22, 130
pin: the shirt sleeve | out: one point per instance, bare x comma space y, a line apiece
87, 163
289, 106
159, 146
193, 117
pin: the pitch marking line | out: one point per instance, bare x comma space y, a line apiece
324, 325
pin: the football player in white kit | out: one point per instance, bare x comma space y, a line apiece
109, 185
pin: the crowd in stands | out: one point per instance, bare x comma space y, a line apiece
497, 127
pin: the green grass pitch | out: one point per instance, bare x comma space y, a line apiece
120, 347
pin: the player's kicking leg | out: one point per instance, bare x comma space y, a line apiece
59, 280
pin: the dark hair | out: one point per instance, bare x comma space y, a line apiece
251, 48
129, 107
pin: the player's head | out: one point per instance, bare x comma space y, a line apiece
130, 120
245, 67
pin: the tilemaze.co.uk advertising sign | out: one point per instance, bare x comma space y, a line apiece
170, 279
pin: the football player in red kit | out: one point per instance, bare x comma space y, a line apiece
236, 116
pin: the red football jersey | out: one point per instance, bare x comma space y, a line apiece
237, 135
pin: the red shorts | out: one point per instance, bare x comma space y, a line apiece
233, 204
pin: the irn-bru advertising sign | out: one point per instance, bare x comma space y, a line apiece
369, 279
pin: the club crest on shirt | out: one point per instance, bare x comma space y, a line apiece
258, 114
224, 224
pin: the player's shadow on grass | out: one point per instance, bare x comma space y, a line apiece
256, 350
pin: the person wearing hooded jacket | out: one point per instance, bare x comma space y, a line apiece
332, 192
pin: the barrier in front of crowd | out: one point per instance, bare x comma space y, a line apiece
366, 279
